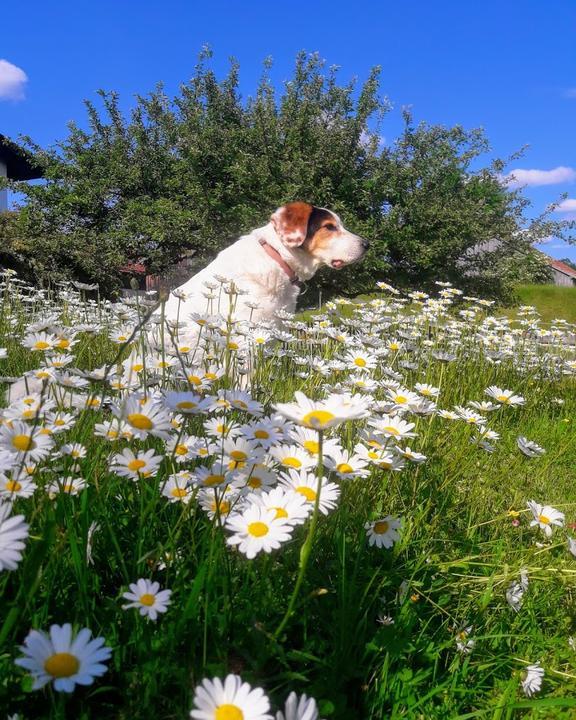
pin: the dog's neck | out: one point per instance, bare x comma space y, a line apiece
300, 261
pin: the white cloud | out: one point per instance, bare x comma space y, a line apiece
520, 178
12, 81
568, 205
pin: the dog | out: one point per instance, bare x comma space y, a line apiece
270, 264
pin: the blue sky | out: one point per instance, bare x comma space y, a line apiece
507, 66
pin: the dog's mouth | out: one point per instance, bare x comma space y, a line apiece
337, 264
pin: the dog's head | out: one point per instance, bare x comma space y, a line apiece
318, 232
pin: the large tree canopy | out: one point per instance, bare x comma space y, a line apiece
191, 172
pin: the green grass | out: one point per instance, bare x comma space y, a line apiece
551, 301
459, 551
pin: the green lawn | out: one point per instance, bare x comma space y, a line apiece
551, 301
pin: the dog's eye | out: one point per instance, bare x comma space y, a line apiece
331, 226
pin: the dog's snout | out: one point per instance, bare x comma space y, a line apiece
365, 243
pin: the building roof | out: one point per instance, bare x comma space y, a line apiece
562, 267
19, 163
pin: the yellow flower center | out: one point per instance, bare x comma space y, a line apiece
210, 376
181, 450
393, 346
318, 419
503, 398
62, 665
63, 343
312, 446
344, 468
373, 455
238, 455
261, 434
140, 421
258, 529
186, 405
232, 346
12, 486
179, 492
23, 443
545, 520
239, 404
136, 465
138, 367
255, 483
41, 345
400, 399
59, 422
194, 379
228, 712
381, 527
213, 479
27, 414
292, 462
392, 430
308, 493
147, 599
360, 362
280, 512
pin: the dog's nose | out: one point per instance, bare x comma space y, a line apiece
365, 243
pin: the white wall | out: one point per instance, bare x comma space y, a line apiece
3, 193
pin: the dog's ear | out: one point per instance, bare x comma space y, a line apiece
291, 222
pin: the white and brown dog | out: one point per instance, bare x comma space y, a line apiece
271, 263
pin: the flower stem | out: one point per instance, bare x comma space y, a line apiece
306, 548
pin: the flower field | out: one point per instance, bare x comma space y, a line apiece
367, 514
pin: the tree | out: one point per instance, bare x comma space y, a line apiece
191, 172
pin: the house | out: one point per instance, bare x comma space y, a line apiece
15, 164
562, 273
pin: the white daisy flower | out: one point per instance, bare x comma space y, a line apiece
18, 485
532, 679
13, 532
229, 700
384, 532
322, 414
25, 441
529, 448
545, 517
298, 708
504, 397
67, 485
136, 465
63, 659
464, 643
306, 484
145, 417
288, 505
256, 530
148, 598
390, 426
515, 591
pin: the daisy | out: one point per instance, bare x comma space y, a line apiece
359, 359
428, 391
136, 465
504, 397
75, 450
220, 502
390, 426
307, 484
382, 458
288, 505
67, 485
464, 643
262, 431
346, 465
148, 598
145, 417
16, 487
411, 455
13, 532
402, 398
483, 406
177, 489
532, 679
229, 700
25, 441
40, 341
239, 453
217, 476
259, 478
292, 456
470, 417
529, 448
62, 659
323, 414
545, 517
515, 591
298, 708
383, 533
310, 442
256, 530
220, 428
187, 403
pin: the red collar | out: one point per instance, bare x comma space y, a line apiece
275, 255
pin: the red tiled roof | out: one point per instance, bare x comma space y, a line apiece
136, 268
562, 267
